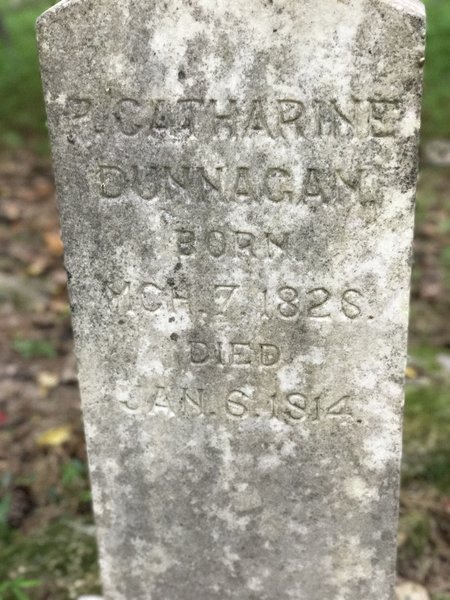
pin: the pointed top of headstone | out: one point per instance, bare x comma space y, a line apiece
414, 7
56, 9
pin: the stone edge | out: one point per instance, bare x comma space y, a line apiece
412, 7
54, 11
415, 8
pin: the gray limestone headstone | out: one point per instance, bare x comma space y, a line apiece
236, 184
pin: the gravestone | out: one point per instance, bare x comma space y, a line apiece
236, 185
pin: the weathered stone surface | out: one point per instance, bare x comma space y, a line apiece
236, 184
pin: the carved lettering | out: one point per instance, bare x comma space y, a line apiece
237, 354
286, 118
279, 185
192, 403
235, 183
290, 113
223, 295
270, 355
224, 121
217, 243
151, 297
236, 402
128, 116
351, 304
77, 108
385, 116
319, 297
113, 181
285, 302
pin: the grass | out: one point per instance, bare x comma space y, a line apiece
424, 522
29, 349
63, 556
58, 560
426, 456
17, 588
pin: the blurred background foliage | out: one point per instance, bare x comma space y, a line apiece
47, 543
436, 118
22, 114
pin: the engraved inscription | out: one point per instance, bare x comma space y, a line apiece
285, 303
289, 303
234, 353
239, 402
283, 118
237, 183
218, 243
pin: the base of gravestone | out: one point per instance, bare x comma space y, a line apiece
402, 591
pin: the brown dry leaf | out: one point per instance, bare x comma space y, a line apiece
38, 266
25, 193
59, 277
54, 243
61, 307
10, 211
401, 538
55, 437
43, 187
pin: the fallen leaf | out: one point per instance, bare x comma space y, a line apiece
401, 538
43, 187
59, 277
25, 193
55, 437
38, 266
54, 243
9, 211
411, 591
60, 306
47, 382
410, 373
